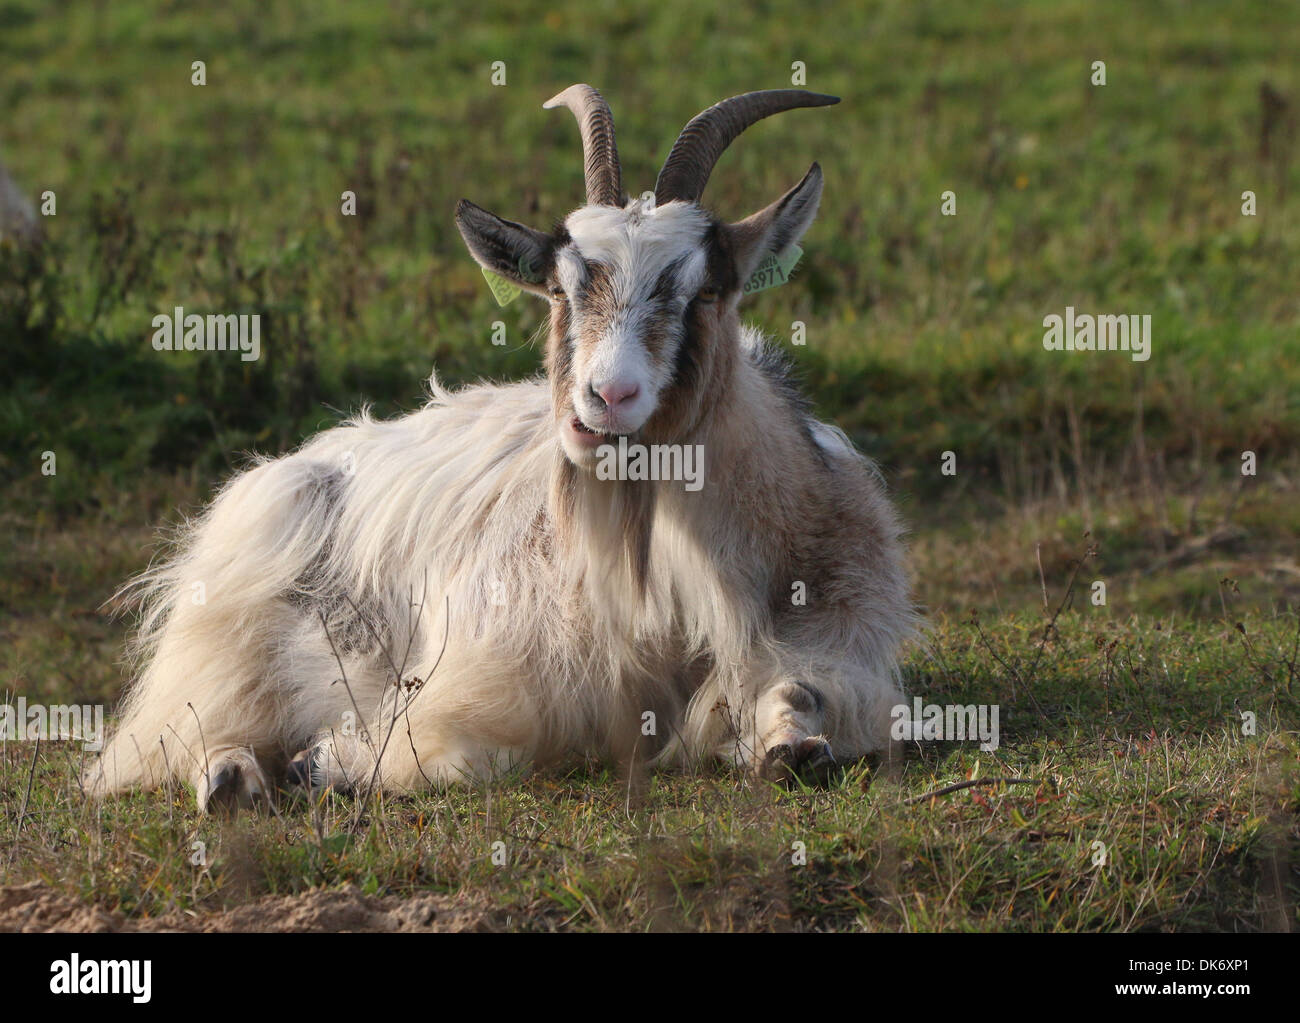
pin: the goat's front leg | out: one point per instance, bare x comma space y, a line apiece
472, 721
789, 721
409, 761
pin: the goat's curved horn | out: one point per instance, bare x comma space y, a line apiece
600, 154
689, 164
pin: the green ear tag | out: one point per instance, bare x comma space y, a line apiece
774, 270
502, 290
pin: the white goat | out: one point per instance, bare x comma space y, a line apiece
437, 596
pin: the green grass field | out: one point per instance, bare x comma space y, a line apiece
1123, 722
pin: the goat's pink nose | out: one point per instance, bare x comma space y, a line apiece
616, 394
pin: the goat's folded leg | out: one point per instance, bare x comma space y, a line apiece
789, 721
418, 759
471, 721
336, 759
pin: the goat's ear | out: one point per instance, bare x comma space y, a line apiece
517, 253
775, 228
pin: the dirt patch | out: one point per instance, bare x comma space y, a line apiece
33, 907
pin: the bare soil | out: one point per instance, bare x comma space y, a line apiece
34, 908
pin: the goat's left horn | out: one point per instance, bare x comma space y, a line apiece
600, 154
691, 161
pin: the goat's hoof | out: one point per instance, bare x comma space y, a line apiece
234, 781
808, 760
300, 769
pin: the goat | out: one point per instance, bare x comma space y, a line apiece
455, 592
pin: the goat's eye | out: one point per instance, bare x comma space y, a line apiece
707, 294
557, 293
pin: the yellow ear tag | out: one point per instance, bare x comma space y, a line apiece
773, 271
502, 290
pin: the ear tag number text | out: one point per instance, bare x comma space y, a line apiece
774, 270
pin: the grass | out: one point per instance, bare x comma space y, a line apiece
225, 197
923, 335
1130, 734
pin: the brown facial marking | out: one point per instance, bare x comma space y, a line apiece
559, 354
722, 261
700, 363
594, 305
660, 327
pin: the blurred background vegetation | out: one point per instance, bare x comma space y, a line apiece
923, 331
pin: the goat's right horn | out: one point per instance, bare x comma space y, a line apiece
600, 154
689, 164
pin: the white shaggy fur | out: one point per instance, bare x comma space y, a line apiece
445, 508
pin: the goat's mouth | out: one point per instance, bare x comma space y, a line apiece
588, 438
